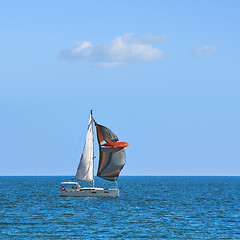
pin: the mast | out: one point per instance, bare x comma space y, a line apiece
93, 150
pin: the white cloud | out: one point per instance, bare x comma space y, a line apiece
121, 50
205, 50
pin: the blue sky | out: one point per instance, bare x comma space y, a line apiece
163, 75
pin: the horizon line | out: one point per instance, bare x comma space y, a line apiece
125, 176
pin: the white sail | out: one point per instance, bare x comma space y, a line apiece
85, 167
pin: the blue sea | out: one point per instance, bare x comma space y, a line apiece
148, 207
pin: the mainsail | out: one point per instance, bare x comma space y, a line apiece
85, 167
111, 159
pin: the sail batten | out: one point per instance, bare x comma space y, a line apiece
85, 167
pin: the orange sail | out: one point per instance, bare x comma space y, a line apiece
115, 144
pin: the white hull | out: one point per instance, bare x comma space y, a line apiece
90, 192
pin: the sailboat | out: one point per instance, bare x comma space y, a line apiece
112, 159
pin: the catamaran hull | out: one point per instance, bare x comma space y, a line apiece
90, 192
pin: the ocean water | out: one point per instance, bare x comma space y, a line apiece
148, 207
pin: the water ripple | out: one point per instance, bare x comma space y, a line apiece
148, 207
